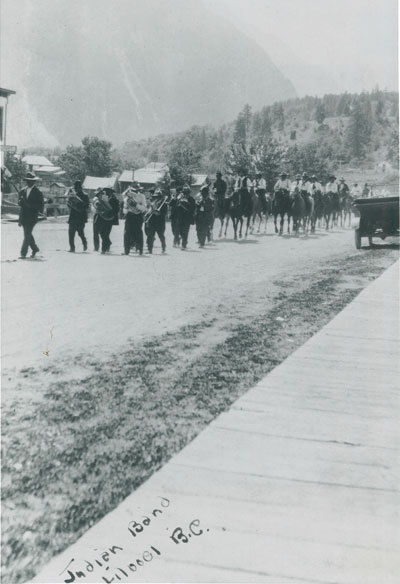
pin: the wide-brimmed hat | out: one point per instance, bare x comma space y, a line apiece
283, 173
218, 173
31, 176
108, 190
304, 175
342, 179
298, 176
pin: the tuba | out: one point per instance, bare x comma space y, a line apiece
103, 207
74, 201
130, 204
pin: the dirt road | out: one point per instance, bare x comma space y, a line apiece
69, 303
111, 364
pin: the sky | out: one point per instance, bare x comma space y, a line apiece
322, 46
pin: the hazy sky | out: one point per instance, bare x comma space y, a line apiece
322, 46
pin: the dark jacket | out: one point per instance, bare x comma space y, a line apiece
220, 187
185, 208
204, 210
115, 207
30, 205
81, 212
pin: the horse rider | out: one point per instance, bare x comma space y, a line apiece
185, 208
295, 185
106, 207
283, 183
78, 215
261, 191
331, 186
203, 214
134, 207
155, 223
343, 188
245, 185
314, 186
304, 185
356, 191
31, 202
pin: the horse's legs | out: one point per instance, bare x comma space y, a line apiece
240, 220
275, 218
248, 225
226, 224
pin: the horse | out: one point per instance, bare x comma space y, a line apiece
235, 212
221, 211
281, 205
327, 209
298, 211
308, 210
318, 209
261, 209
336, 200
246, 204
347, 203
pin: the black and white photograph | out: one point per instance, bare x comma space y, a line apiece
200, 291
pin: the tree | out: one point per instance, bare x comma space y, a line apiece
16, 167
320, 113
97, 156
359, 130
241, 132
73, 162
182, 163
267, 158
238, 159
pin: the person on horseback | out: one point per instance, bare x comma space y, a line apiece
283, 183
295, 185
281, 201
261, 191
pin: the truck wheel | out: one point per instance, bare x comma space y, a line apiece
357, 237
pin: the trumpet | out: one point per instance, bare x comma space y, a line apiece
155, 208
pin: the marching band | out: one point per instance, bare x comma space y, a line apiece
184, 209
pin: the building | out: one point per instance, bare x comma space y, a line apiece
125, 180
92, 183
151, 174
198, 180
4, 95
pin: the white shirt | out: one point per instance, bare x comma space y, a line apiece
331, 187
282, 184
316, 186
356, 192
262, 183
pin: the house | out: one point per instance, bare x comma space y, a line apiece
92, 183
125, 179
151, 174
198, 180
44, 169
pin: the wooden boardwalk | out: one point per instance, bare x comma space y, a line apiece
298, 482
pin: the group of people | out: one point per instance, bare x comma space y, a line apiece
184, 209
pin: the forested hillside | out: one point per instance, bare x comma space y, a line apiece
320, 134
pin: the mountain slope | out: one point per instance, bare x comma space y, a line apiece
129, 70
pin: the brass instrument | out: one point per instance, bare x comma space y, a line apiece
130, 205
155, 208
74, 201
103, 207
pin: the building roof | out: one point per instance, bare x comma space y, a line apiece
126, 176
57, 184
157, 166
99, 182
48, 168
36, 160
6, 92
198, 179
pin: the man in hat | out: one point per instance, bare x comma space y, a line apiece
343, 188
283, 183
106, 208
203, 213
331, 185
133, 209
32, 203
78, 216
156, 222
296, 184
174, 216
185, 214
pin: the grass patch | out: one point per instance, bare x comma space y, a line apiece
90, 442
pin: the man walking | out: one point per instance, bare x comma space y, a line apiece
185, 214
134, 207
156, 222
78, 203
204, 212
32, 203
